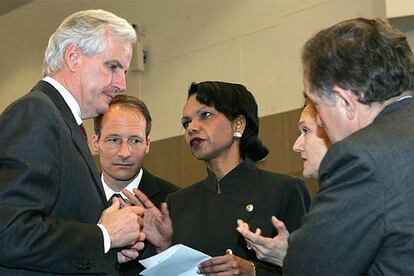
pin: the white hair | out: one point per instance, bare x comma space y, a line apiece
88, 30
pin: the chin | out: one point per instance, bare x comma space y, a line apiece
307, 173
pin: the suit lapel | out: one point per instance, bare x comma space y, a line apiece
76, 134
148, 185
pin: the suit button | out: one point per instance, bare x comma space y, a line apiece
249, 208
229, 251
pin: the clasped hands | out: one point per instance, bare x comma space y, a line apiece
130, 222
124, 224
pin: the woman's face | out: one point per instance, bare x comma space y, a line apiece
312, 144
208, 133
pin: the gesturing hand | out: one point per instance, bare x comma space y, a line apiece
157, 223
272, 250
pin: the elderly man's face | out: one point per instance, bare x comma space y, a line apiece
103, 75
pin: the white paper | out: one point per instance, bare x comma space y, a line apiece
176, 260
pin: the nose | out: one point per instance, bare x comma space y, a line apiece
298, 145
124, 151
119, 81
192, 128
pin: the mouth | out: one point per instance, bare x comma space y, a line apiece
195, 142
109, 95
123, 165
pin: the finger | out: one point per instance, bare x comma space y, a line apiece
281, 228
164, 210
121, 258
137, 246
132, 198
130, 253
143, 198
141, 236
138, 210
122, 202
215, 261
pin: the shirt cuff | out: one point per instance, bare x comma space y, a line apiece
106, 238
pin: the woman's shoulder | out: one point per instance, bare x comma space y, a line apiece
189, 190
281, 180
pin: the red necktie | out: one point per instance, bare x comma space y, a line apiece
83, 130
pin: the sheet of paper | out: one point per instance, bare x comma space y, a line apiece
176, 260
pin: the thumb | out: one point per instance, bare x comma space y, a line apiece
116, 204
280, 227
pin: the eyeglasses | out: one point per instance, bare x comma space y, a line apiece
116, 142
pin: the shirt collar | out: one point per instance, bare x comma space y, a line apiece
133, 184
235, 177
68, 97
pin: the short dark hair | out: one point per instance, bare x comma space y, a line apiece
234, 100
367, 56
128, 102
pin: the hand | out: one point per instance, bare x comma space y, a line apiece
226, 265
123, 224
157, 223
272, 250
131, 253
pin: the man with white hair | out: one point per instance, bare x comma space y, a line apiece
54, 217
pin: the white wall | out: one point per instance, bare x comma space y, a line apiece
254, 42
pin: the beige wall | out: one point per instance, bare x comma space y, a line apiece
255, 42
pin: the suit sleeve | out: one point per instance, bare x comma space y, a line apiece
31, 236
348, 208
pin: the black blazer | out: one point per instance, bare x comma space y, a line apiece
51, 196
362, 219
206, 221
157, 190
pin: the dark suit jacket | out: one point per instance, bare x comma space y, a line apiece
206, 221
157, 190
51, 196
362, 220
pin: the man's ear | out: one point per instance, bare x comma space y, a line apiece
148, 144
73, 57
347, 100
95, 143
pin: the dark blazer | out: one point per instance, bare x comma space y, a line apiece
206, 221
362, 220
51, 196
157, 190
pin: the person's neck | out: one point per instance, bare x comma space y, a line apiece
116, 185
70, 83
371, 111
223, 165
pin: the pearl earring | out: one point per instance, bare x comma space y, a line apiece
237, 134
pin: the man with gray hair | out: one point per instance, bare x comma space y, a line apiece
54, 217
359, 73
